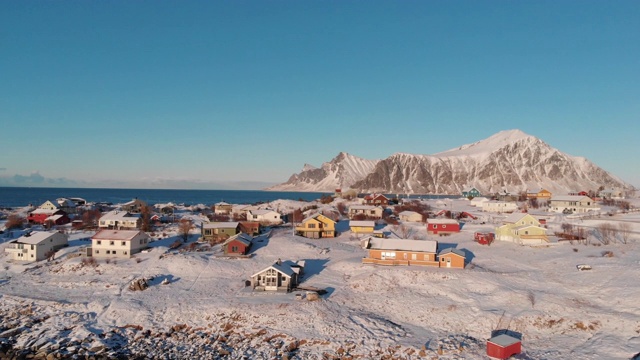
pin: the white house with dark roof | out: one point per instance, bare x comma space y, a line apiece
281, 276
36, 245
118, 243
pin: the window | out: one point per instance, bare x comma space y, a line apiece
97, 251
311, 226
31, 255
124, 243
98, 242
111, 242
444, 226
207, 231
108, 251
435, 226
124, 252
234, 249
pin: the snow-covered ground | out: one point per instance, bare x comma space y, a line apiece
368, 312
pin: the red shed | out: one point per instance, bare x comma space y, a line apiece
238, 244
503, 346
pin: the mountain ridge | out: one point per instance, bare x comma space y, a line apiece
508, 160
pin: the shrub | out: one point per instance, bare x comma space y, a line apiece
14, 222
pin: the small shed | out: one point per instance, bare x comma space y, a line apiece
503, 346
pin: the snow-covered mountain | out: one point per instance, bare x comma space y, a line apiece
341, 172
509, 160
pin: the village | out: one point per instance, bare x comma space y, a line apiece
289, 252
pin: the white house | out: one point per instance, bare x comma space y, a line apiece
48, 205
264, 216
281, 276
36, 246
612, 193
499, 206
572, 204
410, 216
120, 220
370, 211
118, 243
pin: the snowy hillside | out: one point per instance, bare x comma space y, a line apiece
71, 307
340, 172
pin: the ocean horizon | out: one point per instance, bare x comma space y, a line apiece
11, 197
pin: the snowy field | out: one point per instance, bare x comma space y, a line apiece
368, 312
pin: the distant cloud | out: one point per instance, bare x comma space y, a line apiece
37, 180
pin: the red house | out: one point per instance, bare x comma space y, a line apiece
57, 220
442, 227
39, 216
376, 199
503, 346
250, 227
238, 244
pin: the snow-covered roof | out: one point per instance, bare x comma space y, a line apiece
284, 267
442, 221
221, 203
364, 207
514, 217
35, 237
504, 340
262, 212
452, 251
53, 217
403, 244
570, 198
119, 235
408, 213
44, 211
221, 225
118, 215
242, 237
362, 223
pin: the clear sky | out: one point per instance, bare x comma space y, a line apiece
212, 94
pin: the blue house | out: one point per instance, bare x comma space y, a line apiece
470, 191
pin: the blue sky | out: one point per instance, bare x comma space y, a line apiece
239, 93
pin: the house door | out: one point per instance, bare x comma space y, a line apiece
448, 262
271, 280
414, 256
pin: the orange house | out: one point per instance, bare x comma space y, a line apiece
452, 258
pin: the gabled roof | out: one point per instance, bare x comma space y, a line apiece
45, 211
362, 223
241, 237
528, 226
221, 225
222, 203
262, 212
409, 213
316, 216
570, 198
35, 237
443, 221
119, 215
515, 217
453, 251
403, 244
283, 267
54, 217
364, 207
118, 235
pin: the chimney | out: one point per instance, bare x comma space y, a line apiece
279, 262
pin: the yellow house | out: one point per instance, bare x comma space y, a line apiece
362, 227
316, 226
540, 194
522, 228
